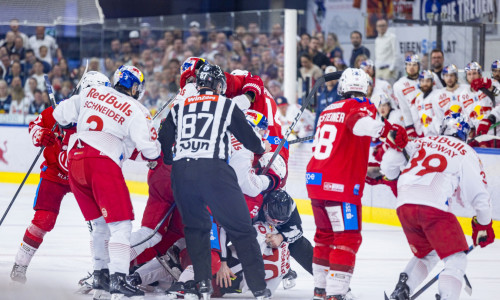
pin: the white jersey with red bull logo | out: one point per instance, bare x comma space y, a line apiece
111, 122
441, 170
475, 105
447, 102
406, 90
428, 122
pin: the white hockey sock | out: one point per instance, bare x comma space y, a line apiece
337, 283
119, 246
153, 271
450, 280
139, 236
25, 254
418, 269
99, 243
187, 274
319, 274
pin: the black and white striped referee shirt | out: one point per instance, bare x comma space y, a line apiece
201, 127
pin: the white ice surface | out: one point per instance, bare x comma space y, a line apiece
64, 257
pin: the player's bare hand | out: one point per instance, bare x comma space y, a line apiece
224, 275
274, 240
267, 145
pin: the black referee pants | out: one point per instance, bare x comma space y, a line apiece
212, 182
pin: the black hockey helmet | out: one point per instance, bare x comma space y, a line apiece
212, 77
278, 207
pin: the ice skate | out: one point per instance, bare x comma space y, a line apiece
18, 273
120, 289
289, 279
264, 294
319, 294
402, 291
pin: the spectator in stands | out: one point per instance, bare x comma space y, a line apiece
63, 93
5, 98
19, 102
43, 55
177, 51
29, 61
358, 49
5, 64
328, 94
339, 64
318, 58
385, 52
94, 64
275, 88
305, 39
239, 32
115, 53
19, 48
14, 27
56, 73
194, 29
126, 53
29, 88
38, 75
169, 38
135, 41
309, 69
37, 106
65, 72
268, 67
321, 41
9, 41
39, 39
332, 47
437, 62
254, 30
15, 71
238, 49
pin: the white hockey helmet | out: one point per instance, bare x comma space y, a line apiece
353, 81
239, 72
92, 78
456, 125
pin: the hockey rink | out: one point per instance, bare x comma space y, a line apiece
64, 257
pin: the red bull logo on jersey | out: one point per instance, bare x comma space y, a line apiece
110, 99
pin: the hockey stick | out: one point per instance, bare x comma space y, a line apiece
169, 212
319, 82
300, 140
164, 106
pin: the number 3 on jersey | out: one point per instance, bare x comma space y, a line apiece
324, 141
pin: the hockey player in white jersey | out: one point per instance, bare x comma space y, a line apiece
442, 171
447, 100
495, 73
406, 90
109, 121
386, 110
427, 121
477, 99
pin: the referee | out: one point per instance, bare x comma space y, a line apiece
200, 127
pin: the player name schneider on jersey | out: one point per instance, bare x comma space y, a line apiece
109, 99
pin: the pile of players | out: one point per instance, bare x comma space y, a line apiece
86, 159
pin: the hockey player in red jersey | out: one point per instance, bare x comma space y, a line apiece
53, 180
335, 180
442, 173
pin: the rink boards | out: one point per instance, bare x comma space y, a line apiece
17, 153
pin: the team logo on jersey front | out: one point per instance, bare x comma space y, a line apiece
333, 187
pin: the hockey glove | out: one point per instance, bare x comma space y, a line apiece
253, 86
485, 124
480, 83
393, 184
44, 137
412, 134
482, 235
396, 136
190, 72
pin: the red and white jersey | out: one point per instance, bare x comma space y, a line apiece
476, 105
396, 117
406, 91
383, 86
276, 260
242, 161
111, 122
188, 91
341, 148
267, 106
447, 102
55, 165
428, 123
441, 170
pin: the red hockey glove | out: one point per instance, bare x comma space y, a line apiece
482, 235
412, 134
395, 135
191, 71
483, 127
44, 137
379, 151
480, 83
253, 85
